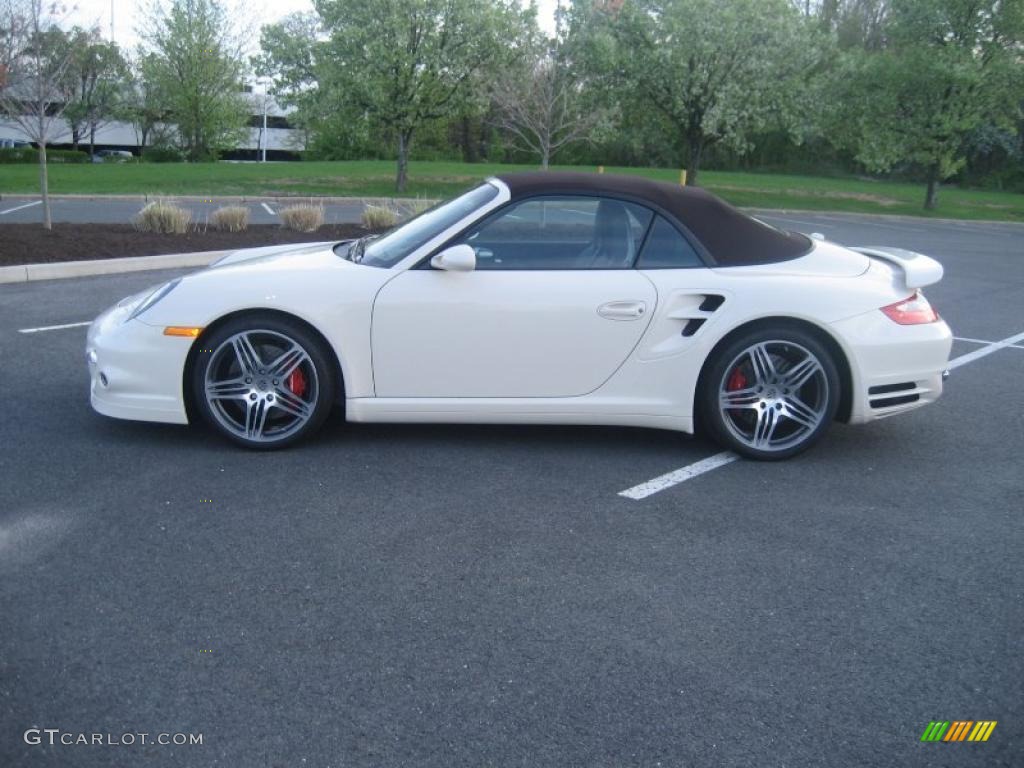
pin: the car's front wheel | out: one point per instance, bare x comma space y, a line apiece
263, 382
770, 393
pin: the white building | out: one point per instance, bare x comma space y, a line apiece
282, 140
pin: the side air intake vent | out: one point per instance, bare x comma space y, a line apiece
695, 317
711, 303
692, 326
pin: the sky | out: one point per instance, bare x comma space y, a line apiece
129, 15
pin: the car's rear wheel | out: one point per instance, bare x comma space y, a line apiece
263, 382
771, 393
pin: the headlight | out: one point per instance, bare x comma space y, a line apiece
153, 298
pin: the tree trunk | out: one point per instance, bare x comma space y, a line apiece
696, 152
44, 186
545, 158
402, 177
92, 139
469, 153
931, 195
75, 137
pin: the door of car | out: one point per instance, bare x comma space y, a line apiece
552, 308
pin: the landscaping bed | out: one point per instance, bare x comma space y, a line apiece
31, 244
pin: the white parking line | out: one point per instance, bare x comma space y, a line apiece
20, 207
985, 341
268, 209
54, 327
988, 349
678, 476
874, 223
698, 468
815, 226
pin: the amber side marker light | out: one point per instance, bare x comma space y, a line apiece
179, 330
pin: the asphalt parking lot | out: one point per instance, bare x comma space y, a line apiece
484, 596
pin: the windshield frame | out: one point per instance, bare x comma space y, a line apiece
500, 197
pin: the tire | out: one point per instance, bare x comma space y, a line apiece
264, 382
771, 393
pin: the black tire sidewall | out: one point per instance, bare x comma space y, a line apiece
710, 416
320, 357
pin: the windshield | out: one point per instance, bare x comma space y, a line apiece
393, 246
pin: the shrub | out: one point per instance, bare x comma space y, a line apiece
379, 217
415, 207
304, 217
162, 216
31, 155
65, 156
161, 154
230, 218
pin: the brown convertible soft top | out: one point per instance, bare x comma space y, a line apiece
729, 237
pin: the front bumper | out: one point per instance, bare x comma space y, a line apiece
135, 371
894, 368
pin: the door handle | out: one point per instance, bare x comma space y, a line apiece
622, 310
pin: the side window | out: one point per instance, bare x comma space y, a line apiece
560, 233
667, 249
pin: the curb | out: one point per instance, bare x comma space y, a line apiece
27, 273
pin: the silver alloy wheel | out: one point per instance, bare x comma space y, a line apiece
774, 395
261, 385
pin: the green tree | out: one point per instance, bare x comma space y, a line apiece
293, 54
949, 67
718, 71
393, 66
541, 101
34, 60
98, 73
144, 105
195, 62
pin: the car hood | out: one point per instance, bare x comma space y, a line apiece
272, 253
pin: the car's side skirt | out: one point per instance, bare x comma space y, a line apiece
514, 411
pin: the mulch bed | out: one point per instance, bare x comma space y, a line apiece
31, 244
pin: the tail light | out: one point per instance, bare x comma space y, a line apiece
913, 310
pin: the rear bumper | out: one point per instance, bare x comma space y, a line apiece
894, 368
135, 372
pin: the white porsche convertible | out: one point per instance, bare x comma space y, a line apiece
543, 298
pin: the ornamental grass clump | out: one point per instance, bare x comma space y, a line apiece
304, 217
230, 218
379, 217
163, 217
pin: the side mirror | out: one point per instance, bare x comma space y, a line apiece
458, 258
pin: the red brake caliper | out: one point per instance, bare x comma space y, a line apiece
736, 380
296, 382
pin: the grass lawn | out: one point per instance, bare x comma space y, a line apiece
441, 179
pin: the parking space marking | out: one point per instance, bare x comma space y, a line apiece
20, 207
994, 346
678, 476
54, 327
815, 226
696, 469
985, 341
268, 209
875, 223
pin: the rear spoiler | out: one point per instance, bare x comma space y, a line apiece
918, 270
